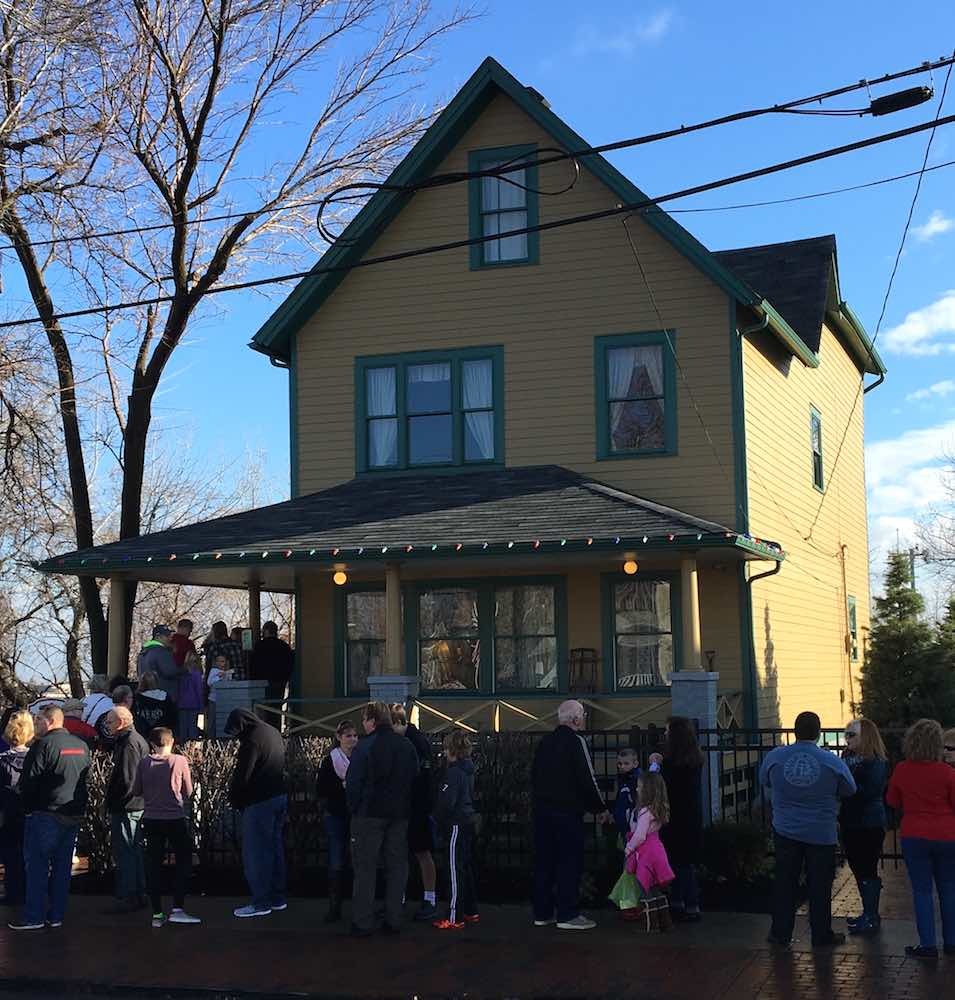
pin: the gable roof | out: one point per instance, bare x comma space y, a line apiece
490, 79
513, 511
801, 280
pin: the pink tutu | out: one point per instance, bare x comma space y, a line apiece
650, 863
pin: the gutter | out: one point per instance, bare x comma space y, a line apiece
849, 325
786, 334
753, 704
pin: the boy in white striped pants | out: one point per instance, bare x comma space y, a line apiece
454, 814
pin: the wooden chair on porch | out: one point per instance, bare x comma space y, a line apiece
583, 671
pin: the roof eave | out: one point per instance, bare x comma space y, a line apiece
850, 326
792, 341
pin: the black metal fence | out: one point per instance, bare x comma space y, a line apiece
503, 796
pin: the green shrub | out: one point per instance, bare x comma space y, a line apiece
738, 853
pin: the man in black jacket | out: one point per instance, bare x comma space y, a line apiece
565, 788
272, 661
378, 787
53, 786
258, 790
126, 810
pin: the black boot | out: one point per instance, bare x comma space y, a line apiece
871, 889
334, 898
852, 921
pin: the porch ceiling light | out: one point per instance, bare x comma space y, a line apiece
340, 578
630, 567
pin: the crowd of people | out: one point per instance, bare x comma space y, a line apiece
384, 800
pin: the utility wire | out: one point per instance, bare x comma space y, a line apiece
644, 205
885, 299
439, 179
809, 197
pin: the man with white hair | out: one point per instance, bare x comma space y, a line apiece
565, 788
126, 810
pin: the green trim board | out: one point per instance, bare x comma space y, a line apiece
293, 452
737, 387
747, 638
481, 159
485, 588
666, 340
607, 615
850, 326
400, 362
488, 81
818, 470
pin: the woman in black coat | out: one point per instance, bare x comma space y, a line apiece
682, 767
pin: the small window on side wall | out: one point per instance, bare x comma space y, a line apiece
853, 617
636, 395
815, 441
503, 202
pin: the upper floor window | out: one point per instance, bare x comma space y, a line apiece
436, 409
636, 395
503, 203
815, 439
853, 629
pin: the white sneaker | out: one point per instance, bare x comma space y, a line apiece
276, 907
181, 917
545, 923
579, 923
251, 910
159, 919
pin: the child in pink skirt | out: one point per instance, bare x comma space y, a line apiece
646, 865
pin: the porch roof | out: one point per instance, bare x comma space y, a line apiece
515, 511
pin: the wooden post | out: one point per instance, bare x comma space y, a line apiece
690, 598
392, 619
255, 609
117, 653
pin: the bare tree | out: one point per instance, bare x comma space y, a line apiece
154, 115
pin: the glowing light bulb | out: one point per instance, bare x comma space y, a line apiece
340, 578
630, 567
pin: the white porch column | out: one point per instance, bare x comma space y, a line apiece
117, 657
392, 685
693, 690
690, 611
255, 609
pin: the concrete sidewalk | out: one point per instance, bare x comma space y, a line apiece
504, 956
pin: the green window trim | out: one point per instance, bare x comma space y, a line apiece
485, 587
666, 340
479, 159
818, 468
456, 358
608, 611
852, 615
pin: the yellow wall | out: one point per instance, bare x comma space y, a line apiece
799, 616
546, 316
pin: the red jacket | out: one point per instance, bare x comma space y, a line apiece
925, 792
181, 646
79, 728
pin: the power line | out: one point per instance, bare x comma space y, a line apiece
457, 177
885, 299
809, 197
622, 209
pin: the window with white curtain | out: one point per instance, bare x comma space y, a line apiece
501, 203
435, 409
642, 633
636, 390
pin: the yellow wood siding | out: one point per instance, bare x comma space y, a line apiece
545, 316
799, 616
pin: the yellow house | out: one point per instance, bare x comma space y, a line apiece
594, 459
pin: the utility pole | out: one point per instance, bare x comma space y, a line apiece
912, 554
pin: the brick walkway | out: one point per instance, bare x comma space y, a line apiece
504, 956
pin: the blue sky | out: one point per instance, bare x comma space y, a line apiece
616, 69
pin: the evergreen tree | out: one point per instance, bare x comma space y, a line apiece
905, 676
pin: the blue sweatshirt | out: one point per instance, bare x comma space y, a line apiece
806, 784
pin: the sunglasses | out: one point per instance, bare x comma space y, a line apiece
950, 749
851, 736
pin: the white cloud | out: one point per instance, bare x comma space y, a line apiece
942, 388
887, 461
917, 490
624, 40
926, 331
938, 223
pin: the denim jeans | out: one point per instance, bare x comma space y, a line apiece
263, 850
820, 864
558, 862
685, 891
127, 842
48, 858
336, 829
928, 860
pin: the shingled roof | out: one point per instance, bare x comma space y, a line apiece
794, 276
516, 509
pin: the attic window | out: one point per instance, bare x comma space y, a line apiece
500, 204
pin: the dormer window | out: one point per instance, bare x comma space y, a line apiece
500, 204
